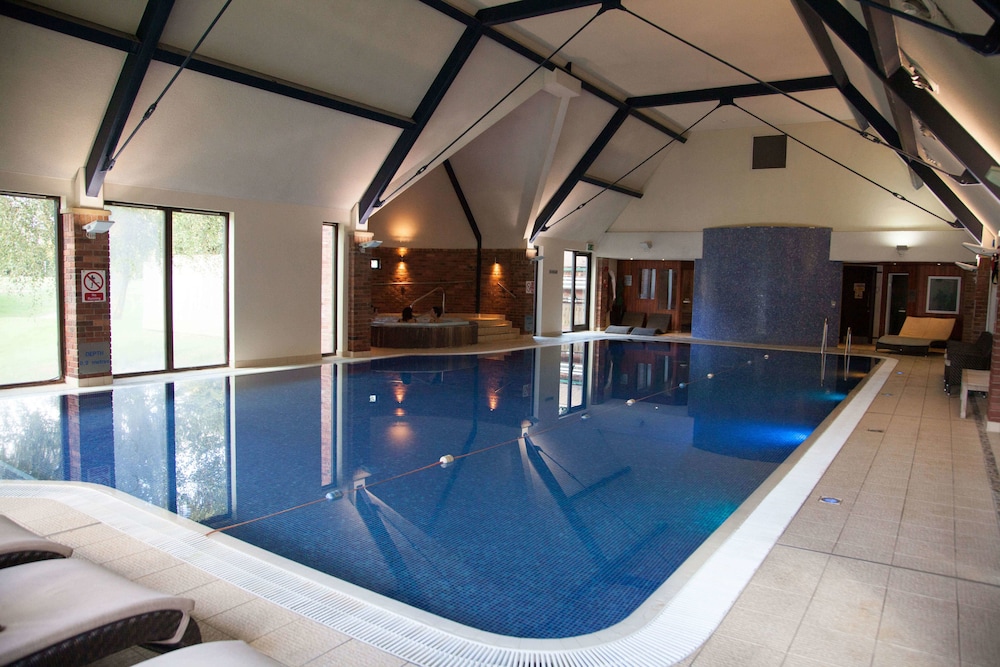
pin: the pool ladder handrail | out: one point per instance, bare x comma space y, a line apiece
420, 298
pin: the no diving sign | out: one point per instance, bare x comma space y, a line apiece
94, 285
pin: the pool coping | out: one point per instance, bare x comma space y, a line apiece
671, 624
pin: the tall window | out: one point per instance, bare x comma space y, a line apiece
29, 290
576, 291
169, 286
328, 290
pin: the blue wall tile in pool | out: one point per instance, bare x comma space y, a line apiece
772, 285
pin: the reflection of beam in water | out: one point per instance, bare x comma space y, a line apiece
369, 510
564, 501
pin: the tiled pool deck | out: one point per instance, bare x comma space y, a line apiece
904, 571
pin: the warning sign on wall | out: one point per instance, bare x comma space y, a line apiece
94, 286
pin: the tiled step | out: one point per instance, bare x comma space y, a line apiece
492, 327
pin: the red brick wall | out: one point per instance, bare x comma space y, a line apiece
408, 274
359, 295
84, 322
975, 294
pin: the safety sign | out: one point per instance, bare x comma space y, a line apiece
95, 286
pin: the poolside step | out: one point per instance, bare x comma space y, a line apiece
492, 327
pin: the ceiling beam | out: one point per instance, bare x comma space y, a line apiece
246, 77
432, 98
526, 9
545, 62
154, 20
921, 102
733, 92
562, 193
608, 185
67, 25
932, 179
74, 27
991, 7
882, 29
888, 58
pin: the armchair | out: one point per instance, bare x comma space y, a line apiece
959, 355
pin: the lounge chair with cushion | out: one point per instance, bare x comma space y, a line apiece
959, 356
72, 612
656, 324
629, 322
19, 545
918, 335
234, 653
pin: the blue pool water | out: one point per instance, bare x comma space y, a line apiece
583, 476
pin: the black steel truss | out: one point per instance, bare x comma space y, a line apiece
921, 102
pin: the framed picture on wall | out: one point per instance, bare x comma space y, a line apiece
942, 294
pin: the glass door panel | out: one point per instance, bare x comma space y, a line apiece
29, 290
328, 291
576, 291
198, 294
138, 290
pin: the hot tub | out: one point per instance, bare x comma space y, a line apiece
446, 332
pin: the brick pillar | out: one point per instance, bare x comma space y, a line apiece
993, 400
359, 301
87, 316
975, 300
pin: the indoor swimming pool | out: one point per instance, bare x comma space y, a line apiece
543, 493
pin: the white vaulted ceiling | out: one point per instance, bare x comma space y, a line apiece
336, 103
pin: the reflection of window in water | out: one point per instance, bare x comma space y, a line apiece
572, 377
647, 287
643, 376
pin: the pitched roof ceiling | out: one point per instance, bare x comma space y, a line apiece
538, 106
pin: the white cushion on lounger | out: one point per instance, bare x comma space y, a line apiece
15, 538
214, 654
49, 601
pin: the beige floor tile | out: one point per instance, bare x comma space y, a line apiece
722, 651
216, 597
792, 570
773, 601
177, 579
356, 653
852, 617
978, 595
252, 620
921, 623
756, 627
826, 645
979, 636
142, 563
891, 655
923, 583
299, 642
116, 547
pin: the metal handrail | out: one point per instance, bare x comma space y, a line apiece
419, 298
501, 286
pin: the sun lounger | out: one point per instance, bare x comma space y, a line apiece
72, 612
214, 654
19, 545
656, 324
629, 322
918, 334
